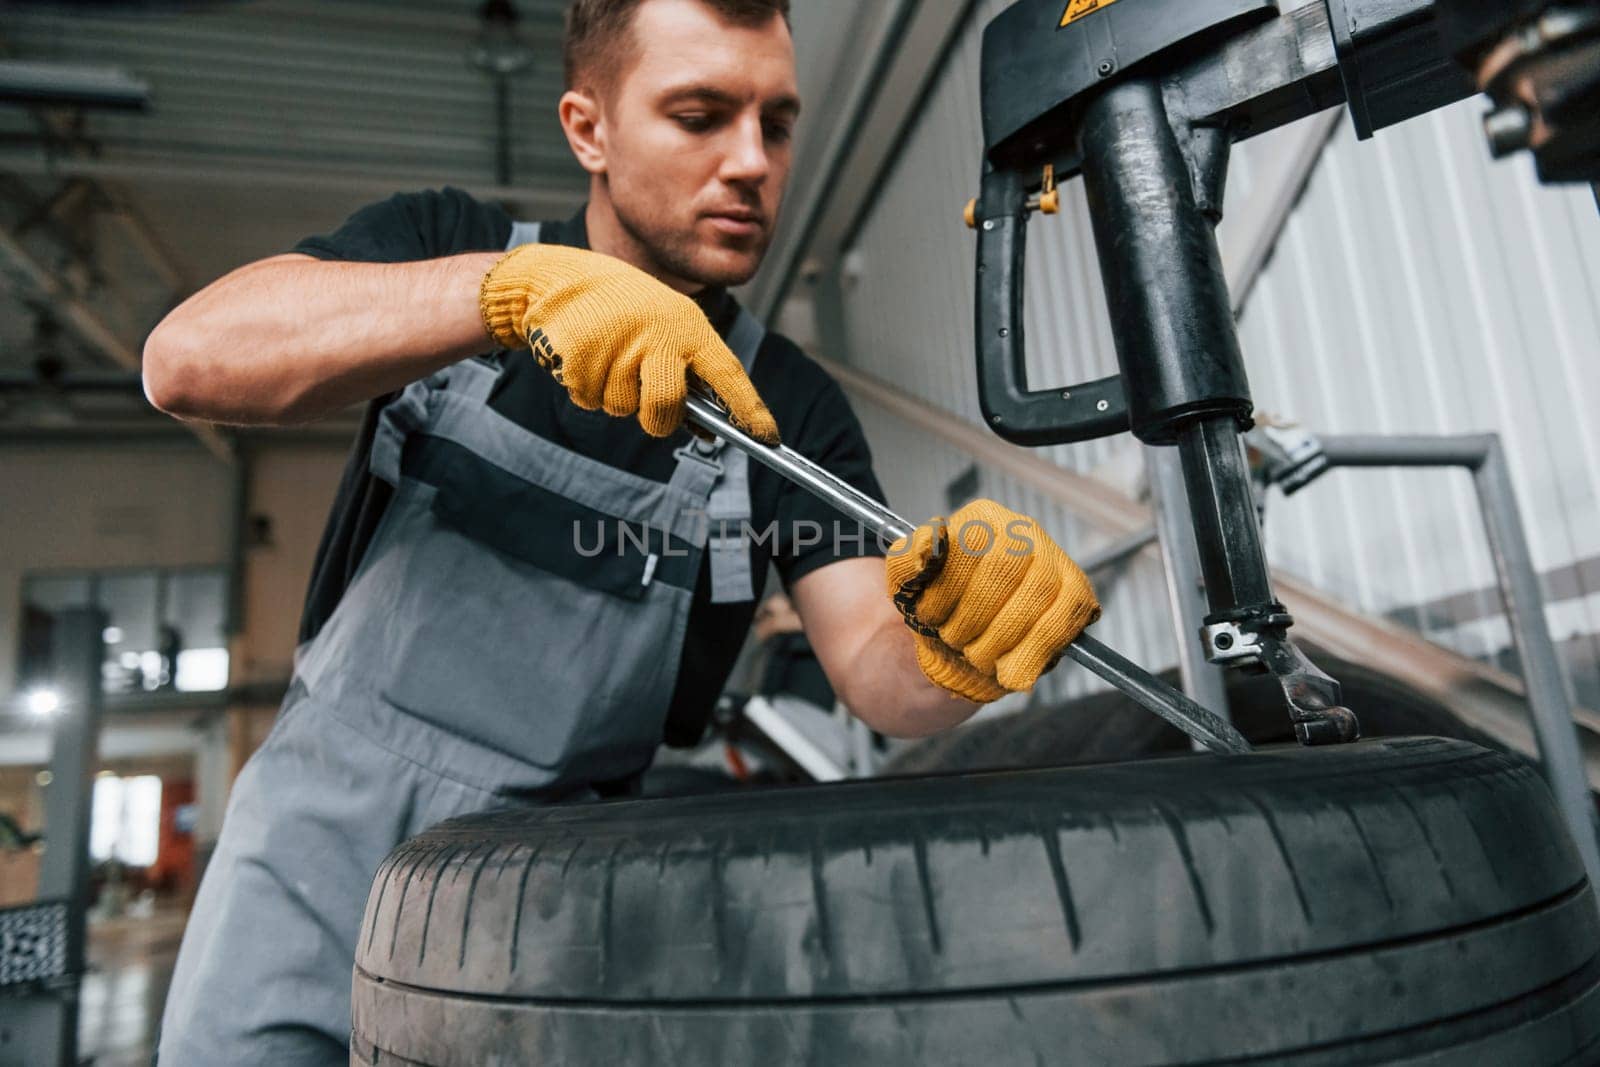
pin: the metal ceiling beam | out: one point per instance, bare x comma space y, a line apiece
124, 40
886, 101
244, 172
81, 320
54, 83
111, 200
184, 75
160, 431
328, 151
312, 141
362, 14
280, 101
143, 236
78, 316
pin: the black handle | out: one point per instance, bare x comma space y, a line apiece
1037, 417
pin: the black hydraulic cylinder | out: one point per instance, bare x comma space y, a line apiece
1170, 313
1226, 525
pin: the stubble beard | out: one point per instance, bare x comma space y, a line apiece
673, 252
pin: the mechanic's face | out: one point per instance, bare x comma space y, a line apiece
695, 139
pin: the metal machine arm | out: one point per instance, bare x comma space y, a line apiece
1144, 99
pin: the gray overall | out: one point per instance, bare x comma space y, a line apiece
503, 641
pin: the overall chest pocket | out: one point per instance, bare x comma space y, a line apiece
502, 631
558, 535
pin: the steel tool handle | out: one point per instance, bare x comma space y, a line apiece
1149, 691
1154, 695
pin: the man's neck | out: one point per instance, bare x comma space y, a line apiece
608, 235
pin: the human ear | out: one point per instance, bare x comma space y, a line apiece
584, 125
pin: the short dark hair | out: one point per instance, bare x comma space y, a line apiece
598, 31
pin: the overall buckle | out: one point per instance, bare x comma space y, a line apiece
702, 452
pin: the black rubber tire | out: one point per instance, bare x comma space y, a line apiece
1107, 727
1410, 901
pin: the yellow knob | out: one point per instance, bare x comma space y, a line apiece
1050, 202
971, 214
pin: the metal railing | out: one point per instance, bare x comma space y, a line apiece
1550, 696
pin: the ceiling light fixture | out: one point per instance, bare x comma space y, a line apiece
43, 703
500, 52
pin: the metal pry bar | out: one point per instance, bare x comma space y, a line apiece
1137, 683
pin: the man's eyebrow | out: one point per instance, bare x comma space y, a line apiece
788, 104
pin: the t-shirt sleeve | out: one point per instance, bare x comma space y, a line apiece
812, 534
402, 229
409, 227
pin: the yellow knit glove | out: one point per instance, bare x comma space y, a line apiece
992, 599
617, 338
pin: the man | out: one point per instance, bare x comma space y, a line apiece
466, 645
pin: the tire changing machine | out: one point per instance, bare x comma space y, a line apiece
1144, 100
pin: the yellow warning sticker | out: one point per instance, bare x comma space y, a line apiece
1076, 9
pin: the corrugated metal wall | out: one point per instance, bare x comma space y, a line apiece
1422, 288
1418, 288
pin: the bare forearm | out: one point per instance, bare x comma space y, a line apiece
868, 651
293, 338
888, 691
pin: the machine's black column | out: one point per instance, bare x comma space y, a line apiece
1226, 525
1173, 324
1154, 190
1163, 277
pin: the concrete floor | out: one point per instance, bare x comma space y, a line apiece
130, 967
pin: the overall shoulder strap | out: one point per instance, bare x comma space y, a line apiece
728, 506
524, 233
408, 412
745, 338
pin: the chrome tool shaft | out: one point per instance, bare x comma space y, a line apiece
1137, 683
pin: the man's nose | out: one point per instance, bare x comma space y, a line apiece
746, 160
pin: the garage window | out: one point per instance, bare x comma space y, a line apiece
125, 821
